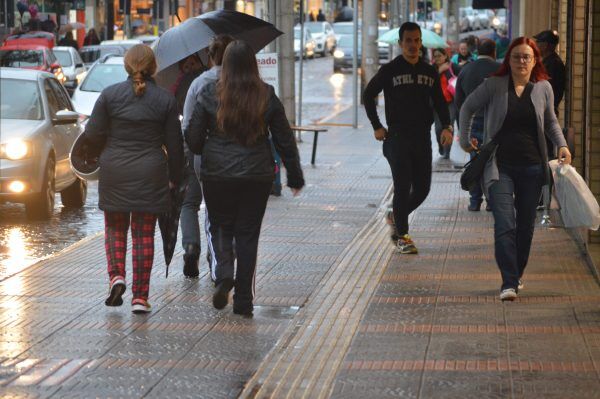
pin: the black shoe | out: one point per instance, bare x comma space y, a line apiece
221, 294
474, 207
276, 190
245, 311
190, 265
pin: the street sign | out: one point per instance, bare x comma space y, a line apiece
268, 67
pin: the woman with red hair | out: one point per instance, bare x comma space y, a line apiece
519, 113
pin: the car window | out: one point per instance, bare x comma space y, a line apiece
63, 57
53, 104
78, 59
20, 99
51, 58
61, 95
21, 58
315, 27
102, 76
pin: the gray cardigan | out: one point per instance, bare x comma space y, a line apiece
492, 96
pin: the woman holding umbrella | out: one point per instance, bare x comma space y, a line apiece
230, 130
137, 123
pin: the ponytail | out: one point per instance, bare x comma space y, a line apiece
140, 64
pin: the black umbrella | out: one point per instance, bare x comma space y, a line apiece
169, 223
195, 34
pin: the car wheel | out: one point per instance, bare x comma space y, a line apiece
41, 206
75, 195
337, 69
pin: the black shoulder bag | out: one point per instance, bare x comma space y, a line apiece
473, 170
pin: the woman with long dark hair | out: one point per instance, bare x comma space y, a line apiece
519, 114
136, 122
230, 129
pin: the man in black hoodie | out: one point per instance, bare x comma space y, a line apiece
410, 87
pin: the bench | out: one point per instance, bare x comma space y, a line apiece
316, 130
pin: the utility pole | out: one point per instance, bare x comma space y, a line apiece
452, 28
370, 53
355, 66
285, 45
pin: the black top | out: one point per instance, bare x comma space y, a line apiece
409, 91
135, 169
556, 69
223, 159
518, 136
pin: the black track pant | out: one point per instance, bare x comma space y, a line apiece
235, 213
409, 156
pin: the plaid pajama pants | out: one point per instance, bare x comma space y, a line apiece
116, 225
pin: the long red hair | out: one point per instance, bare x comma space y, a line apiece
538, 73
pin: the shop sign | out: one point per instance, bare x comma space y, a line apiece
268, 67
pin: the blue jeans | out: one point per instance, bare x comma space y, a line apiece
476, 132
190, 225
514, 198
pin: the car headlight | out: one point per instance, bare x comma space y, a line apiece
15, 149
496, 21
338, 54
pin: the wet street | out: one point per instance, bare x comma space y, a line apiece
23, 242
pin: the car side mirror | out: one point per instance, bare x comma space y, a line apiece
64, 117
79, 65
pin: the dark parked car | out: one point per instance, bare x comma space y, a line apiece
344, 53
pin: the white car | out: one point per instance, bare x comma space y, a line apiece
322, 33
126, 44
309, 43
38, 126
485, 18
72, 66
105, 72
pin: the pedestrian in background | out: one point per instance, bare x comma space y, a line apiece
91, 38
463, 56
135, 119
69, 41
410, 87
442, 62
470, 77
519, 113
230, 129
190, 224
547, 42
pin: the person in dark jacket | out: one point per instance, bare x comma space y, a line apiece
470, 77
91, 38
230, 129
410, 87
69, 41
135, 119
547, 41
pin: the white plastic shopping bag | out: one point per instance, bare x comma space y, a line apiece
578, 206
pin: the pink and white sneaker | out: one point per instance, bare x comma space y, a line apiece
139, 306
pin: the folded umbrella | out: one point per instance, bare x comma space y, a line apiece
169, 223
429, 38
70, 27
195, 34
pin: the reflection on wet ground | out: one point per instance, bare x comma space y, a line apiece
23, 242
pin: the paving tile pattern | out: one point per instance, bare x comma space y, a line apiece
57, 339
435, 327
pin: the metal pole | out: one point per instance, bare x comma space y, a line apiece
355, 66
286, 56
301, 72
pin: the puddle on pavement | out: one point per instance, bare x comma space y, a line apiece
276, 312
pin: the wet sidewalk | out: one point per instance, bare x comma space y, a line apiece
338, 314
